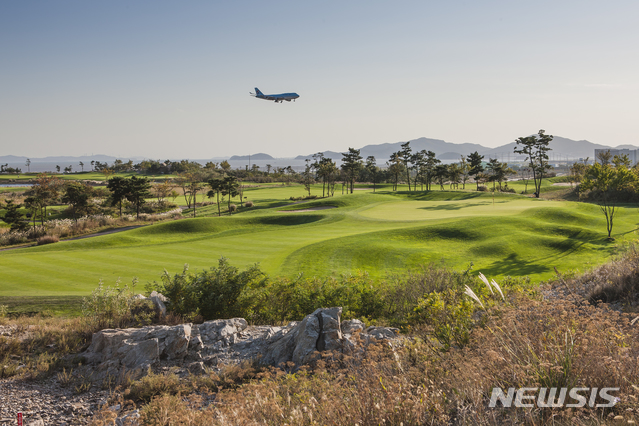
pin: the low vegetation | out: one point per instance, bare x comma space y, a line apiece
466, 335
462, 344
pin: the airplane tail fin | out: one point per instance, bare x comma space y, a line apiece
257, 92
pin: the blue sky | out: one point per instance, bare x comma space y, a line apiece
171, 79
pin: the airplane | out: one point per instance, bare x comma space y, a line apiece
277, 98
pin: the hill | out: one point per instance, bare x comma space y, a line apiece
259, 156
562, 149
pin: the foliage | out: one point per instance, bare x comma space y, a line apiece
119, 188
138, 189
109, 306
351, 164
78, 195
212, 293
230, 189
607, 179
535, 148
14, 218
449, 315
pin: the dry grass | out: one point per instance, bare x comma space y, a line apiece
526, 342
36, 345
47, 239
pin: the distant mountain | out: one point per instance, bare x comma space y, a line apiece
260, 156
383, 151
562, 149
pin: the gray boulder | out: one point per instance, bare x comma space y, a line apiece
221, 342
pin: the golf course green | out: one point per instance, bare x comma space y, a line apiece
379, 233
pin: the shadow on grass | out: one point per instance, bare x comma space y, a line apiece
514, 265
31, 305
457, 206
438, 195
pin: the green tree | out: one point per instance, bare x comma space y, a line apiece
230, 189
351, 163
191, 183
372, 169
43, 192
13, 217
139, 190
607, 180
430, 165
119, 187
81, 164
326, 170
498, 172
535, 148
440, 175
217, 187
77, 195
476, 167
454, 175
307, 176
464, 169
406, 157
28, 164
577, 171
395, 168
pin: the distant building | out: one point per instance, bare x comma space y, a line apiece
633, 154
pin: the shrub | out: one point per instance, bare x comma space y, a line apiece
109, 306
482, 188
154, 384
249, 204
47, 239
232, 208
212, 294
449, 315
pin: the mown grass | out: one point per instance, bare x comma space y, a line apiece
53, 305
385, 232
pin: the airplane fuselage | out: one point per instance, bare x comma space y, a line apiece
277, 98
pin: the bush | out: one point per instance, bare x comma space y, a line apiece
249, 204
213, 294
47, 239
232, 208
482, 188
109, 306
450, 316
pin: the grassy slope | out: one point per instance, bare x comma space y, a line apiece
379, 233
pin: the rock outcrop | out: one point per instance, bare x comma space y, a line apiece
216, 343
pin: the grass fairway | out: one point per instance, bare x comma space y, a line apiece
379, 233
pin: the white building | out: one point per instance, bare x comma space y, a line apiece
633, 154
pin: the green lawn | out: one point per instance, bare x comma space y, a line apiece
380, 233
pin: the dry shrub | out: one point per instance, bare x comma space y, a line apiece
40, 343
373, 389
232, 208
526, 343
154, 384
47, 239
249, 204
616, 281
551, 343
